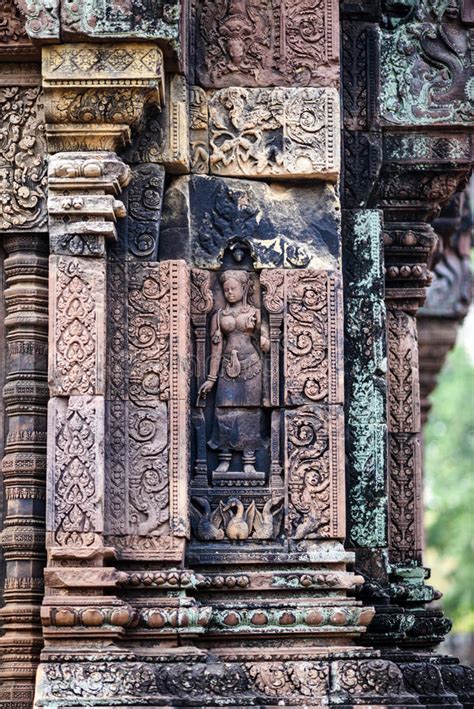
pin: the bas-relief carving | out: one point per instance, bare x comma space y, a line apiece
42, 18
138, 235
198, 130
253, 43
76, 473
313, 353
238, 341
13, 37
146, 409
279, 133
22, 161
428, 57
238, 318
403, 381
289, 227
405, 497
360, 75
77, 326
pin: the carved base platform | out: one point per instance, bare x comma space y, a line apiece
255, 676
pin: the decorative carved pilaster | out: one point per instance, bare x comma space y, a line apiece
24, 464
25, 391
83, 209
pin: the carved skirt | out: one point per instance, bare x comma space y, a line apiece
237, 429
238, 416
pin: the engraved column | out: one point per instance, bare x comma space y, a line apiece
25, 394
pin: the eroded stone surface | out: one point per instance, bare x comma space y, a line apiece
284, 226
278, 133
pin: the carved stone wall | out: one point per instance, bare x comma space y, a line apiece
233, 477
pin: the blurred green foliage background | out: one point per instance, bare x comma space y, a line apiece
449, 484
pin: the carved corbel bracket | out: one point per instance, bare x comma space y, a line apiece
95, 94
82, 203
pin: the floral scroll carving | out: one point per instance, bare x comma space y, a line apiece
314, 348
22, 162
147, 457
76, 471
78, 326
314, 443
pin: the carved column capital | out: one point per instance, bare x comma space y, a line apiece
95, 94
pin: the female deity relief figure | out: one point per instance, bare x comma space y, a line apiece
237, 343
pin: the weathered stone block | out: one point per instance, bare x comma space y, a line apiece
362, 253
267, 43
277, 133
366, 360
366, 447
283, 226
77, 326
164, 137
108, 19
75, 474
362, 163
